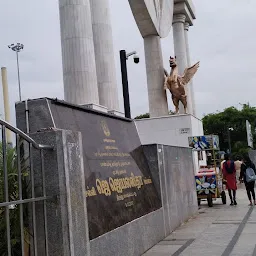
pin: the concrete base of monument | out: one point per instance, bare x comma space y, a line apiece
171, 170
135, 194
172, 130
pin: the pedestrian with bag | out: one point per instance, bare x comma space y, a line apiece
229, 175
248, 175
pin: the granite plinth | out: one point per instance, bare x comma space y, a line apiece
172, 173
132, 239
66, 214
118, 183
135, 195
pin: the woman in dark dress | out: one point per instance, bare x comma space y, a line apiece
229, 175
247, 163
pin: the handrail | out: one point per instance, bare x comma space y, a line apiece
24, 135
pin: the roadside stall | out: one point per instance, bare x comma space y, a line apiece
208, 179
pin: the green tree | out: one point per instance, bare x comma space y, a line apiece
13, 187
146, 115
218, 124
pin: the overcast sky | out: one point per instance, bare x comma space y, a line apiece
223, 38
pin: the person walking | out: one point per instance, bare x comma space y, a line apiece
229, 174
222, 162
248, 175
238, 164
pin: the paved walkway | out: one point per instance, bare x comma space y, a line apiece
222, 230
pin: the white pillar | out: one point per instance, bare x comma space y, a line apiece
7, 115
104, 54
158, 105
191, 86
180, 53
79, 69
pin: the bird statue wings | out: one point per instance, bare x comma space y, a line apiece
189, 73
176, 84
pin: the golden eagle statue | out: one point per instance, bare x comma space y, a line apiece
176, 84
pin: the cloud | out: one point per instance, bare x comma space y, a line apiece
223, 41
222, 38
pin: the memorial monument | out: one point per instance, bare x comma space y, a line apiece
161, 127
136, 194
154, 22
88, 71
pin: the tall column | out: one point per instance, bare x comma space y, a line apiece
158, 105
7, 115
66, 211
191, 86
104, 54
154, 20
79, 68
181, 53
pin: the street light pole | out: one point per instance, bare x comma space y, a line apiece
18, 68
17, 48
123, 58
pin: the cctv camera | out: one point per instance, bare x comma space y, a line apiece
136, 59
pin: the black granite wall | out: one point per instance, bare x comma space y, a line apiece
119, 186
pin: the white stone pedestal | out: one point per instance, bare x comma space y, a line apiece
116, 113
172, 130
97, 107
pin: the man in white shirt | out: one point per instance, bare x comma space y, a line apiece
222, 162
238, 164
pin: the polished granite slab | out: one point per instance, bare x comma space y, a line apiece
119, 186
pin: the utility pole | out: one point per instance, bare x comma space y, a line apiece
123, 58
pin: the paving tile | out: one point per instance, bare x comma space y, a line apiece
162, 250
173, 242
213, 230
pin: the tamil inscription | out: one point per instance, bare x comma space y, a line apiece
119, 186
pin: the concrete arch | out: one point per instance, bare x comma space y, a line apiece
153, 17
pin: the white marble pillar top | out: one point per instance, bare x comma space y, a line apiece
104, 54
180, 51
191, 85
78, 59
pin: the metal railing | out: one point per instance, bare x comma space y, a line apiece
23, 135
15, 171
